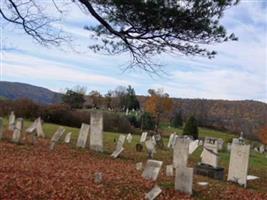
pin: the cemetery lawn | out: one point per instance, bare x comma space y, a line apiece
33, 172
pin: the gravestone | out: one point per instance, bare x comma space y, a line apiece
170, 142
193, 145
56, 137
139, 166
143, 137
200, 142
184, 179
129, 138
83, 135
180, 152
17, 130
68, 138
262, 149
11, 121
238, 167
169, 170
96, 131
32, 128
1, 128
150, 146
154, 193
117, 152
39, 128
220, 144
120, 141
152, 169
209, 156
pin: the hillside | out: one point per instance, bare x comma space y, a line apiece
13, 91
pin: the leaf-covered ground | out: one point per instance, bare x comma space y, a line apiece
34, 172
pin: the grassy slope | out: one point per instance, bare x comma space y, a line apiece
258, 162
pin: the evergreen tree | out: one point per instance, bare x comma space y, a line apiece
177, 120
73, 99
131, 100
191, 127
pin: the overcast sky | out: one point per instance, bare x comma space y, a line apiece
238, 72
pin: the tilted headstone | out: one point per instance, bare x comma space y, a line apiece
238, 167
96, 131
17, 130
139, 166
169, 170
11, 121
143, 137
120, 141
32, 128
117, 152
56, 137
209, 155
184, 179
200, 142
1, 128
220, 144
262, 149
129, 138
193, 145
154, 193
152, 169
180, 152
83, 135
68, 138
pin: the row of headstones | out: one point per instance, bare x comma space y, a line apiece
238, 167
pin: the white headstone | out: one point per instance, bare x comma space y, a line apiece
180, 152
193, 145
120, 141
171, 138
139, 166
96, 131
68, 138
184, 179
39, 128
169, 170
32, 128
150, 145
152, 169
154, 193
17, 130
209, 156
56, 137
83, 135
220, 144
229, 147
262, 149
238, 167
1, 128
11, 121
129, 138
143, 137
117, 152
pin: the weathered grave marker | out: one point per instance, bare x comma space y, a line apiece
1, 128
171, 141
96, 131
262, 149
129, 138
152, 169
209, 156
67, 138
17, 130
139, 166
184, 179
117, 152
220, 144
143, 137
154, 193
83, 135
11, 121
32, 128
169, 170
39, 128
150, 146
193, 145
56, 137
180, 152
239, 160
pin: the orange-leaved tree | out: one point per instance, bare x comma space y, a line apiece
157, 104
263, 135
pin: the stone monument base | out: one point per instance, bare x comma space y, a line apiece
206, 170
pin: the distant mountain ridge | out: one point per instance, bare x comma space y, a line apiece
15, 90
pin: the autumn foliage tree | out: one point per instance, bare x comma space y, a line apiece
96, 98
157, 104
263, 135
